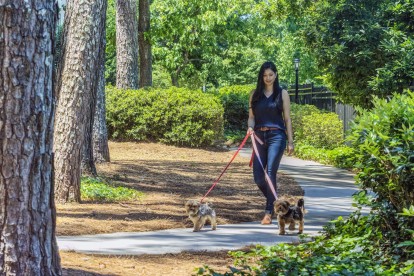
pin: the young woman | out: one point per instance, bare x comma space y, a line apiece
269, 118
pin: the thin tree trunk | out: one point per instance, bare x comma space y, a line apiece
27, 212
145, 55
126, 44
100, 131
77, 84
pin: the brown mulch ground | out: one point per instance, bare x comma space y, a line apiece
167, 176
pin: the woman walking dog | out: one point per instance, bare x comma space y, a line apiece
269, 118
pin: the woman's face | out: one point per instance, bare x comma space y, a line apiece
269, 77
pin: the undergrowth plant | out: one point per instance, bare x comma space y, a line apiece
99, 190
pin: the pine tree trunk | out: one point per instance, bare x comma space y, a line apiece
27, 212
126, 44
145, 55
100, 131
88, 160
76, 86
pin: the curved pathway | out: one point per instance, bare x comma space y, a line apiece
328, 192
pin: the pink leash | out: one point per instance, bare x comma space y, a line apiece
234, 156
256, 152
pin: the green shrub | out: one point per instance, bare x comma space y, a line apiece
95, 189
323, 130
383, 139
235, 100
356, 245
174, 116
297, 112
340, 157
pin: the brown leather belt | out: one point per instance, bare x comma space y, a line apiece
266, 128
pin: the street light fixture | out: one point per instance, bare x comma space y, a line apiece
297, 61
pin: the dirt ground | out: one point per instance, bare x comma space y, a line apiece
168, 176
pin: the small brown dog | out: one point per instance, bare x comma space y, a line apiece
199, 213
290, 214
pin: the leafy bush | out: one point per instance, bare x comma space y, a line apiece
297, 112
323, 130
174, 116
235, 100
383, 139
353, 246
340, 157
95, 189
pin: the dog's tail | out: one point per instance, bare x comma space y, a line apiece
301, 205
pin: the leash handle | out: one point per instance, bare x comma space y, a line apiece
256, 152
234, 156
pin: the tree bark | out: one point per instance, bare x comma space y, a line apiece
27, 212
88, 159
100, 131
126, 44
145, 54
76, 86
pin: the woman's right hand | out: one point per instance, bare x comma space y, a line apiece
250, 130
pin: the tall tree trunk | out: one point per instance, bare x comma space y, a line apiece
145, 55
27, 212
126, 44
88, 160
100, 131
76, 86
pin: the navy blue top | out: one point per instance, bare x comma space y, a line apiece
268, 112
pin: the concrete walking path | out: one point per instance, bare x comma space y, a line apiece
328, 192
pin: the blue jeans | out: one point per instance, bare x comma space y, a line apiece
271, 152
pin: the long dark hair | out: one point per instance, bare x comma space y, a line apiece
258, 92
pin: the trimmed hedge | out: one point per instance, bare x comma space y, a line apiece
316, 128
323, 130
174, 116
340, 157
297, 112
235, 100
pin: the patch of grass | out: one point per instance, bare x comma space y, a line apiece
97, 189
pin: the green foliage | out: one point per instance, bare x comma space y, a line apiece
234, 136
384, 146
98, 190
365, 48
336, 256
297, 112
224, 42
235, 100
323, 130
340, 157
357, 245
174, 116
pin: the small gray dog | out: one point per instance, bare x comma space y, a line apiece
199, 213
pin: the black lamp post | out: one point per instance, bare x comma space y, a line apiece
297, 61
